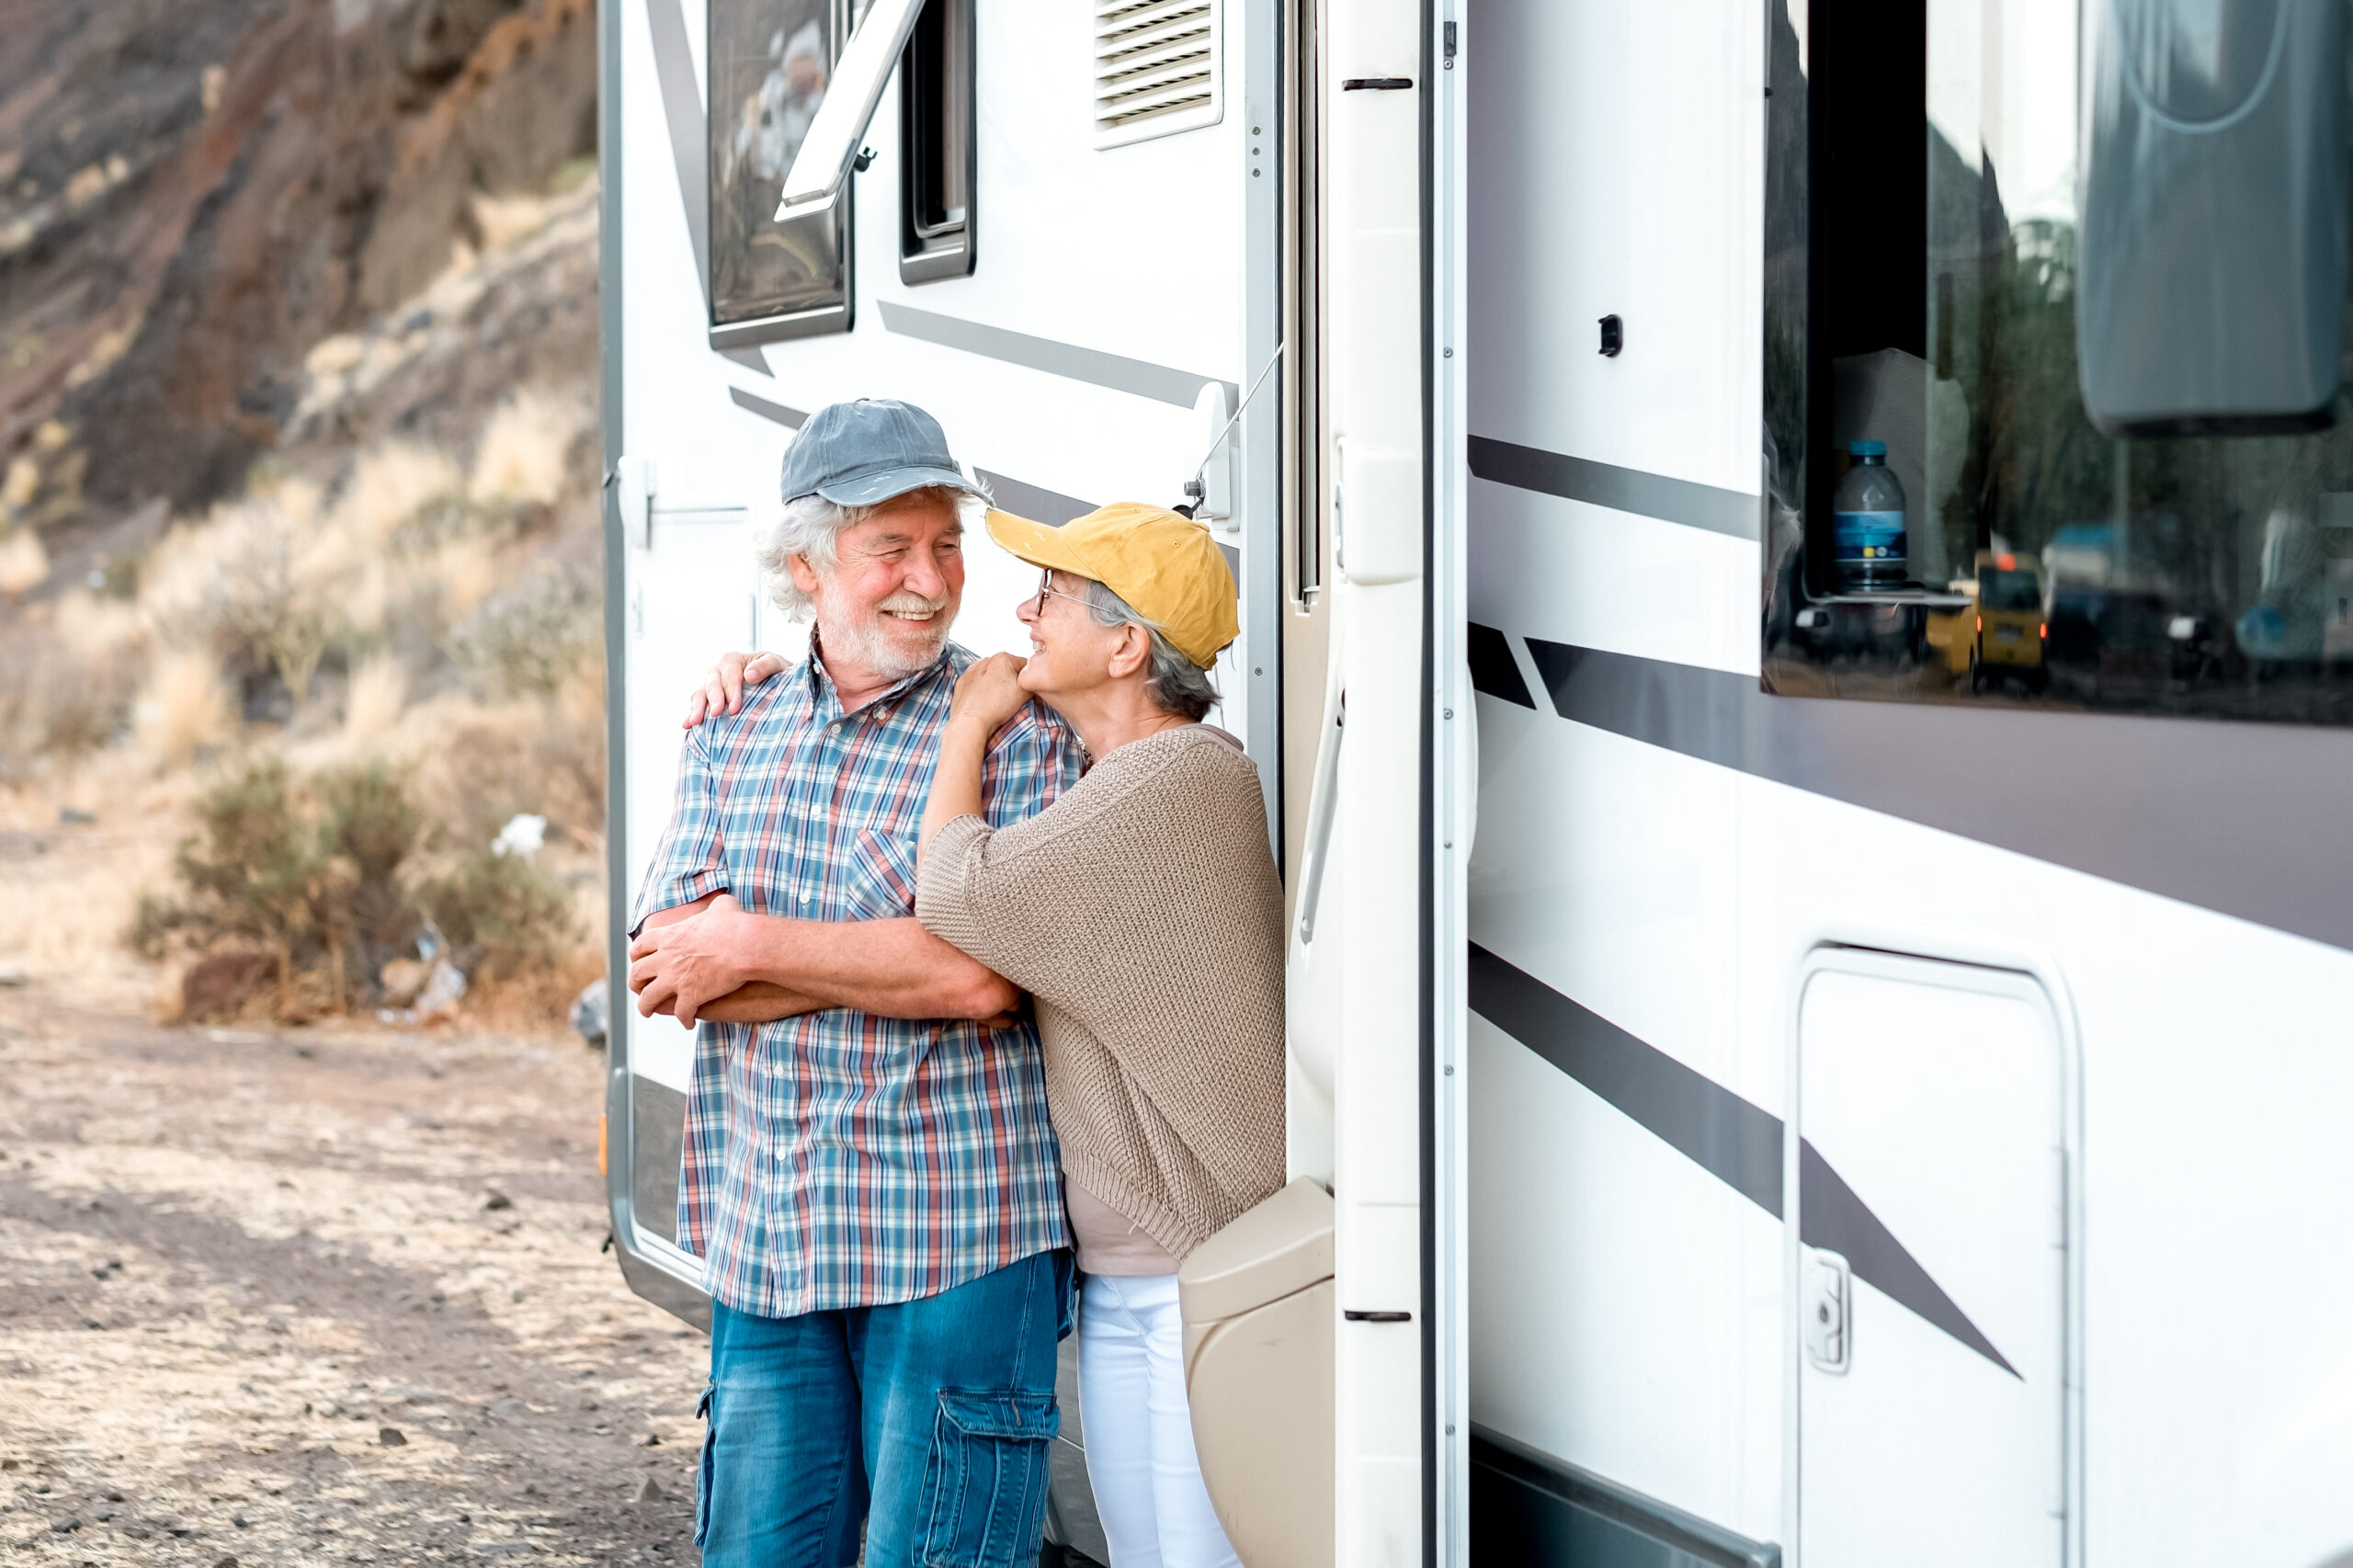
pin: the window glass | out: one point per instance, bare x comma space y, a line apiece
769, 65
2055, 340
936, 140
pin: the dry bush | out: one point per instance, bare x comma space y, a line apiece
530, 637
331, 875
58, 703
262, 585
184, 708
482, 765
525, 450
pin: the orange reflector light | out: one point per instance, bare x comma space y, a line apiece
2045, 630
1981, 625
2006, 563
600, 1147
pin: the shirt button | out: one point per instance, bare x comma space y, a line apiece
806, 895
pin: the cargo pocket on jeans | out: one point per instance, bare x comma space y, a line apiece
984, 1488
702, 1473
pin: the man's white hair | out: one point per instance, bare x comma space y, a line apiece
808, 528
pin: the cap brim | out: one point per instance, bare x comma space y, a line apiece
870, 489
1041, 544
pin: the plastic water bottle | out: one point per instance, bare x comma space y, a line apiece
1867, 522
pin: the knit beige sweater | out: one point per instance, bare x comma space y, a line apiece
1141, 911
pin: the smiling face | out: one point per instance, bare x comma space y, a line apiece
1071, 651
885, 605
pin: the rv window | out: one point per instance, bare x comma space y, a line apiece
770, 64
2054, 320
935, 140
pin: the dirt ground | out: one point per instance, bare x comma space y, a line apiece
292, 1296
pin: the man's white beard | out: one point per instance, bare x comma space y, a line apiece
862, 636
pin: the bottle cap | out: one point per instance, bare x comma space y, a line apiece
1868, 448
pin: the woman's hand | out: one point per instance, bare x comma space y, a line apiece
989, 693
722, 691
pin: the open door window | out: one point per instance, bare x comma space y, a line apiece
772, 69
819, 177
936, 162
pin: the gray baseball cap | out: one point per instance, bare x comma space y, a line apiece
855, 454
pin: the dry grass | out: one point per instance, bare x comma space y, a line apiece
523, 453
24, 564
184, 710
373, 706
391, 484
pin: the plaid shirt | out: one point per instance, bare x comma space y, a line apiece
838, 1159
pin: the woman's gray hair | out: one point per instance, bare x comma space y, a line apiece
807, 528
1178, 685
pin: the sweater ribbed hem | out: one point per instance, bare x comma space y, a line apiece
1154, 1219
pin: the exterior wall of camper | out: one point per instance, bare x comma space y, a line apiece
1706, 1214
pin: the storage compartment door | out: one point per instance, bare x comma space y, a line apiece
1930, 1271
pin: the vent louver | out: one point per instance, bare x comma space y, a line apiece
1156, 68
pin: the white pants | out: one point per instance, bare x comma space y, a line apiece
1139, 1428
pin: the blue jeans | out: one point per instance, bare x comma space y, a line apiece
931, 1418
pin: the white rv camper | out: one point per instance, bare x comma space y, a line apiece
1795, 560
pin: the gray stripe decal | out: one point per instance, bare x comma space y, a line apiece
1736, 1143
2247, 819
1042, 505
1139, 377
674, 72
1033, 501
791, 418
1621, 489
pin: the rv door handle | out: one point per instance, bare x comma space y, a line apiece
1828, 1306
1376, 83
1355, 1315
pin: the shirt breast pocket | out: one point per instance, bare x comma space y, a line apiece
882, 879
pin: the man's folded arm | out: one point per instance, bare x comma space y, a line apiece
713, 949
893, 969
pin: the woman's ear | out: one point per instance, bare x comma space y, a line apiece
1133, 650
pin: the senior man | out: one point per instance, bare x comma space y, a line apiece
870, 1175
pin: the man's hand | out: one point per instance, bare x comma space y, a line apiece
679, 967
989, 693
722, 689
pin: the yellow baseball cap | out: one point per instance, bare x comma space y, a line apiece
1163, 564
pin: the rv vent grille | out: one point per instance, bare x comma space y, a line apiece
1156, 68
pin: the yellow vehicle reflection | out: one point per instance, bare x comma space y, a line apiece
2011, 631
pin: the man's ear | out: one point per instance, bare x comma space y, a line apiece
804, 577
1134, 649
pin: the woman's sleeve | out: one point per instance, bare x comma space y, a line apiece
1022, 899
947, 900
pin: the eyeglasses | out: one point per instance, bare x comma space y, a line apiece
1046, 589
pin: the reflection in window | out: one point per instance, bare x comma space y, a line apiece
769, 64
936, 126
2102, 351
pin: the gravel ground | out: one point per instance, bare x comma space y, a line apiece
294, 1296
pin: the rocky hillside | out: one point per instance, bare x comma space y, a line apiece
196, 193
298, 353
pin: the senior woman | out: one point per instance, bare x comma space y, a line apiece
1143, 912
